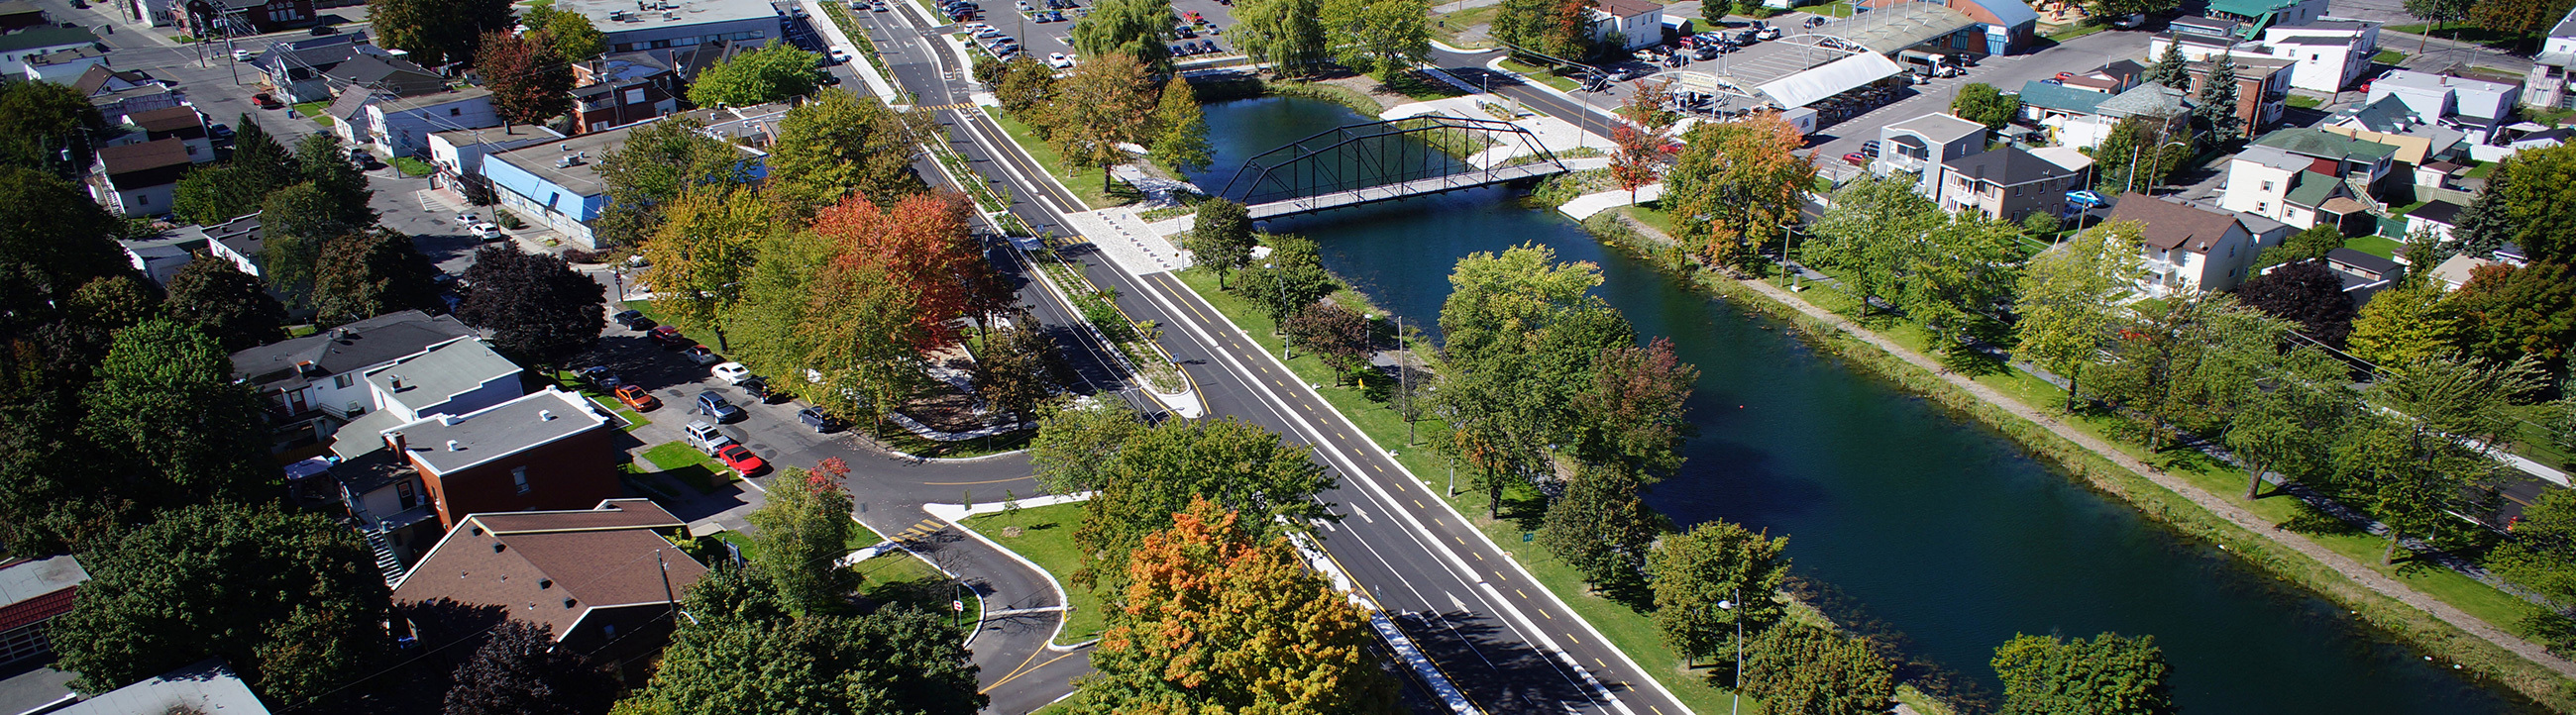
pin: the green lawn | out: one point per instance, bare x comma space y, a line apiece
412, 167
2464, 32
905, 441
1085, 183
1631, 630
680, 461
1651, 213
2388, 57
2376, 245
566, 380
2078, 30
1549, 78
2305, 102
1448, 27
1046, 537
313, 111
1423, 87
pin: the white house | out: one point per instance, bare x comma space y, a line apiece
65, 66
138, 179
2325, 55
400, 126
1920, 145
2188, 247
1637, 23
2546, 84
2476, 106
317, 382
16, 47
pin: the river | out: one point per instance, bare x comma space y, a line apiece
1936, 526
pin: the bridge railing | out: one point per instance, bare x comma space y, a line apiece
1388, 152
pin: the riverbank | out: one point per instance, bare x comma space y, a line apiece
2431, 625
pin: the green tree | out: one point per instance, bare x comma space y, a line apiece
2121, 8
1602, 527
46, 127
1982, 103
165, 405
519, 671
1288, 35
2517, 17
1289, 279
1104, 103
367, 274
1133, 29
1180, 129
2411, 466
1797, 668
531, 81
574, 38
253, 147
2540, 554
1028, 87
287, 264
1337, 335
2310, 244
1734, 185
2217, 105
302, 211
840, 144
2508, 312
2405, 324
1378, 37
215, 193
769, 74
2185, 364
1076, 448
1016, 369
1158, 471
321, 161
538, 308
1522, 337
2108, 675
2170, 69
437, 32
1220, 237
706, 245
2292, 420
2484, 225
1715, 562
2538, 198
2140, 153
1554, 27
226, 303
293, 602
802, 531
2437, 13
2306, 293
658, 161
743, 652
1220, 615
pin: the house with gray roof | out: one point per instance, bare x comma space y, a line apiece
208, 687
546, 450
1920, 145
16, 47
314, 384
2188, 247
2007, 184
2282, 186
299, 70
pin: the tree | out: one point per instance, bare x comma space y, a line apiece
166, 409
437, 32
1133, 29
1635, 411
923, 244
1552, 27
838, 145
46, 127
2437, 13
1712, 562
1982, 103
1797, 668
1602, 527
2140, 153
2405, 324
367, 274
1180, 129
2508, 312
1645, 108
302, 211
1025, 89
2517, 17
1103, 104
802, 531
1639, 158
2484, 226
214, 193
1290, 279
1378, 37
519, 670
254, 148
2412, 466
2217, 106
2122, 8
226, 303
2536, 190
1220, 237
1218, 618
530, 80
1016, 369
2307, 293
1874, 223
2170, 69
293, 602
706, 245
1076, 448
742, 652
321, 161
769, 74
2185, 364
1157, 472
2108, 675
2540, 553
658, 161
538, 308
2307, 245
2292, 420
1735, 183
575, 40
1288, 35
1522, 334
1337, 335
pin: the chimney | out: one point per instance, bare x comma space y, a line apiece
545, 415
455, 446
396, 441
396, 380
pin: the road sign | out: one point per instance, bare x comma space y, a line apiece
957, 606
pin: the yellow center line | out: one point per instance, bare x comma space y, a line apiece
1461, 542
1479, 556
1417, 504
1516, 589
1373, 465
1499, 575
1577, 641
1544, 613
1604, 666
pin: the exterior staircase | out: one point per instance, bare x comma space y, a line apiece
386, 559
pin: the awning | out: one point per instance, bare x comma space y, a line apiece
1836, 77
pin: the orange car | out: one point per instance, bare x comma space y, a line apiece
637, 398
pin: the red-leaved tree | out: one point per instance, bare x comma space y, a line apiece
1640, 158
530, 83
922, 244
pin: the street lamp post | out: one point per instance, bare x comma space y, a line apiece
1736, 705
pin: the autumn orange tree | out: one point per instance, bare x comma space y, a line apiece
1216, 621
1734, 184
530, 82
921, 243
700, 254
1640, 153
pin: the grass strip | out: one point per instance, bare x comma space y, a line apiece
680, 461
1089, 185
1548, 77
1046, 538
314, 111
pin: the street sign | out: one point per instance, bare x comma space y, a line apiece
957, 606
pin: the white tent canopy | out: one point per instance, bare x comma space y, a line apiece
1836, 77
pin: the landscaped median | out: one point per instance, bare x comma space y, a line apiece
1044, 536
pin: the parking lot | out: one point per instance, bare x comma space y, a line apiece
1032, 26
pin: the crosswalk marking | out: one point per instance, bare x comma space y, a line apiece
925, 528
940, 107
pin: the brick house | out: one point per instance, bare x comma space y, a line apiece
547, 450
238, 18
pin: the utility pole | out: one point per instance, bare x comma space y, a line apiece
1404, 377
674, 601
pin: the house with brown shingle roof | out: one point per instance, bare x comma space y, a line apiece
603, 579
138, 179
2188, 247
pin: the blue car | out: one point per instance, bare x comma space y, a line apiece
2084, 198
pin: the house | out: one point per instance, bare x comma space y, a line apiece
181, 122
2259, 15
18, 15
447, 379
2458, 270
557, 184
310, 382
2007, 184
386, 498
1629, 24
160, 257
546, 450
138, 179
239, 240
2547, 83
298, 70
2275, 184
2071, 115
2262, 89
2188, 247
32, 593
2364, 275
240, 18
400, 126
98, 80
1965, 27
206, 688
633, 25
2476, 106
2389, 121
1922, 144
622, 90
65, 66
602, 578
2437, 217
456, 158
16, 47
382, 76
2327, 55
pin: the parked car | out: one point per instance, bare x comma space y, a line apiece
758, 389
701, 355
637, 398
266, 102
713, 404
669, 336
741, 460
320, 30
595, 374
243, 55
704, 437
1869, 148
1855, 159
814, 418
2084, 198
1057, 60
487, 232
633, 319
839, 57
733, 373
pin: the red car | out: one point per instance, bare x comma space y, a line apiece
1855, 158
266, 102
741, 459
669, 336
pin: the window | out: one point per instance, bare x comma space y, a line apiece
403, 490
343, 381
2262, 206
455, 111
144, 199
519, 476
635, 96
